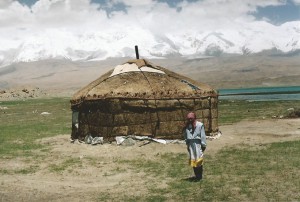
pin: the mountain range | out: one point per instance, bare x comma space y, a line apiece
92, 46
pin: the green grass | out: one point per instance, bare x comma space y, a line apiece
25, 170
265, 173
22, 123
235, 111
68, 164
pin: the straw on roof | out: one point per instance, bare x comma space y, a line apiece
142, 79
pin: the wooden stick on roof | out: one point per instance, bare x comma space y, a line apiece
137, 52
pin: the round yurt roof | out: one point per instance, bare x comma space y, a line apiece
141, 79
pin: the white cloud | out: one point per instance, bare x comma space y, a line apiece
5, 3
136, 2
70, 13
80, 16
13, 14
297, 2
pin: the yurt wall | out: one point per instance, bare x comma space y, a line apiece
163, 118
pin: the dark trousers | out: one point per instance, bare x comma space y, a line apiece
198, 172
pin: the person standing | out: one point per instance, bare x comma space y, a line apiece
194, 135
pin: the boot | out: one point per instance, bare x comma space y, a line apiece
198, 172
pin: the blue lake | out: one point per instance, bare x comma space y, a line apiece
261, 94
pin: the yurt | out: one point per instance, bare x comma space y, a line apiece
139, 98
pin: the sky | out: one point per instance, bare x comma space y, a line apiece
22, 18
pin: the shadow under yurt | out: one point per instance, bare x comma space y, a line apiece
141, 99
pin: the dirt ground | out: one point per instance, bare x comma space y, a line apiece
85, 182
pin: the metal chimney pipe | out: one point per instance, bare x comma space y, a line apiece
137, 52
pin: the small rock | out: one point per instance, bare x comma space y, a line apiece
128, 142
45, 113
25, 90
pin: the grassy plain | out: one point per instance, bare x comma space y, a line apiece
242, 173
22, 123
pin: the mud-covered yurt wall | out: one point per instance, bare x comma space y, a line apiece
142, 99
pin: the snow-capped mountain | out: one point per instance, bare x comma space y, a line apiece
255, 38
